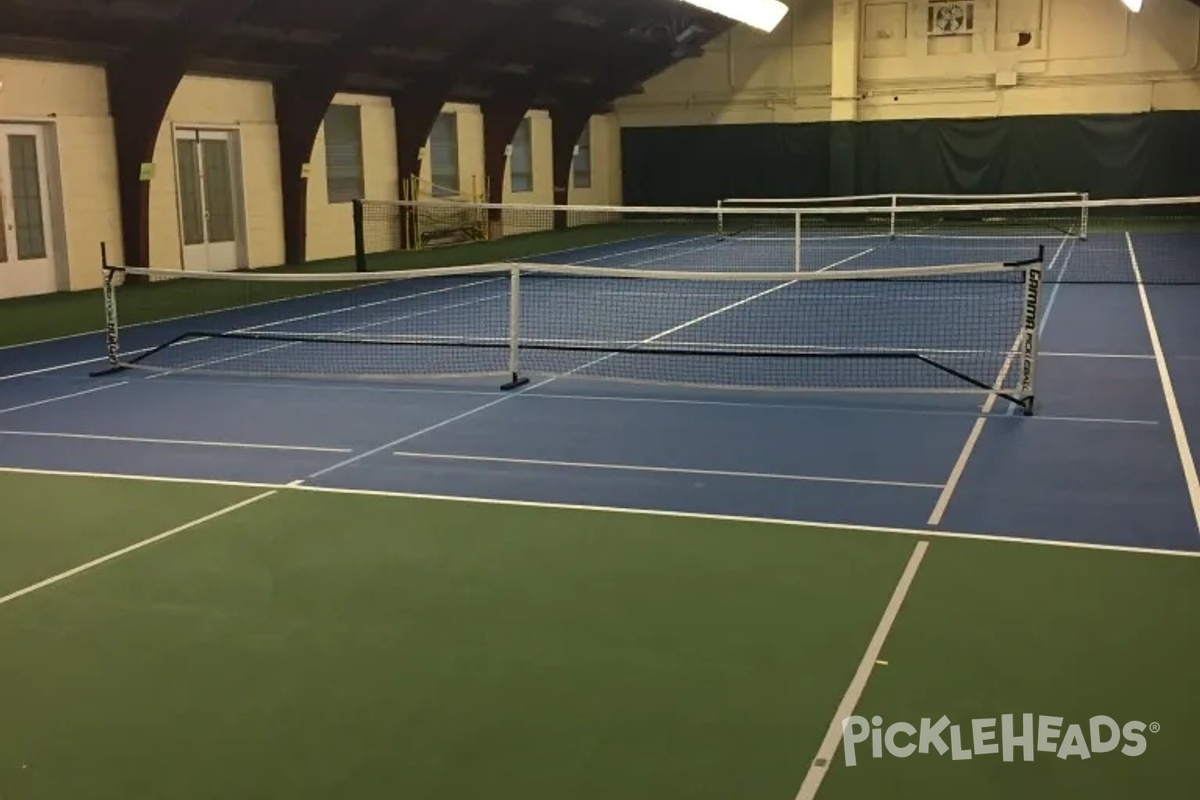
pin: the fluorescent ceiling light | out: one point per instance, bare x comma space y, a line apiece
765, 15
1133, 5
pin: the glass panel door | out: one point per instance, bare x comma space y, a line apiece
207, 164
27, 210
218, 190
27, 264
191, 204
3, 226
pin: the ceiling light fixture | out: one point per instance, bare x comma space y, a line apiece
1133, 5
765, 15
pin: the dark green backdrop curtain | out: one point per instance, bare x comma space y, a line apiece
699, 165
1134, 155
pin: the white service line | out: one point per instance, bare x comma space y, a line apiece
1168, 387
182, 442
812, 526
718, 473
61, 397
858, 684
62, 576
56, 368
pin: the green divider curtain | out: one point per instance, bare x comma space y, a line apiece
1119, 155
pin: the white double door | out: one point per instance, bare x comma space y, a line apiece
27, 264
208, 185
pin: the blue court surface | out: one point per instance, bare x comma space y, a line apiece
1104, 461
220, 579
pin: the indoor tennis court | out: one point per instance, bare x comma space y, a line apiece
644, 568
625, 401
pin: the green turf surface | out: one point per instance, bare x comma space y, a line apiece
991, 629
317, 645
53, 525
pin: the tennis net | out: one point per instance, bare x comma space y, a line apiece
1088, 241
899, 214
959, 329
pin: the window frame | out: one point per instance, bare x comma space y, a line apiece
344, 171
581, 161
521, 171
445, 184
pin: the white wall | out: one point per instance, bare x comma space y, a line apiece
331, 225
873, 59
72, 102
247, 107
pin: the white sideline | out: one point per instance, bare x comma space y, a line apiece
968, 448
1164, 375
858, 684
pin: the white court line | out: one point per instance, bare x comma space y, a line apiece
715, 295
1164, 375
340, 331
719, 473
526, 389
858, 684
370, 389
315, 315
96, 331
425, 312
62, 576
183, 442
299, 486
964, 455
177, 318
57, 398
1115, 356
56, 368
847, 260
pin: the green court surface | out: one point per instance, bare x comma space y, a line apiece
331, 644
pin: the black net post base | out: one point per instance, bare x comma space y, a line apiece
516, 383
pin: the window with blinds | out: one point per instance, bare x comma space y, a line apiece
343, 153
522, 158
443, 154
581, 166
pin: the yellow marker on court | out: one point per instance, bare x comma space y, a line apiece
881, 663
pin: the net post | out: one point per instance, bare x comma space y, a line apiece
797, 235
1030, 317
1083, 219
721, 219
360, 236
892, 217
112, 344
514, 333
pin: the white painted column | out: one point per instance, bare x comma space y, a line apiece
847, 34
